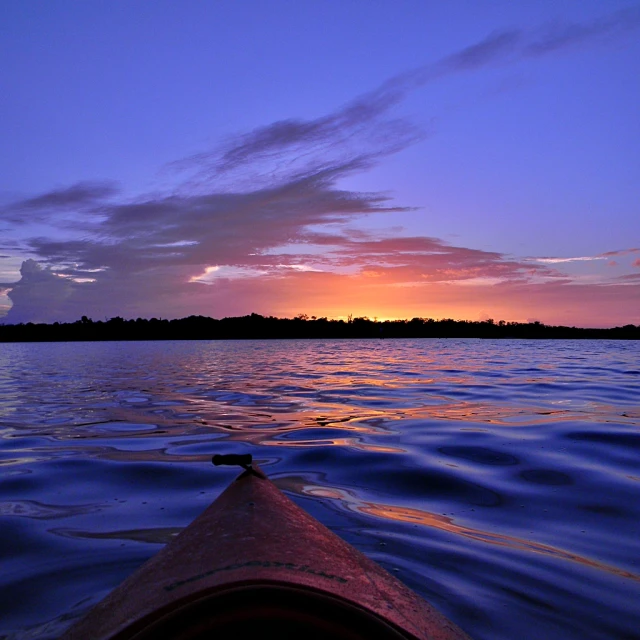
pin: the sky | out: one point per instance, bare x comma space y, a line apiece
379, 158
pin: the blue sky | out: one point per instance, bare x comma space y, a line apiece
292, 151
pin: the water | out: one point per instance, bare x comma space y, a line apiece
498, 479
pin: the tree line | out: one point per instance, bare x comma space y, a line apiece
256, 326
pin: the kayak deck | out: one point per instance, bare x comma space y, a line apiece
255, 562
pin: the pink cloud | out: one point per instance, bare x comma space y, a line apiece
620, 252
340, 295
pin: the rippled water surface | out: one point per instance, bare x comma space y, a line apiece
499, 479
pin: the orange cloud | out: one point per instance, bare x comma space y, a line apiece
336, 295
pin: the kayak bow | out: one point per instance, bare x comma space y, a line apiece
254, 562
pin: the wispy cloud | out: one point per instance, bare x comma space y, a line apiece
78, 197
563, 36
620, 252
601, 256
564, 260
421, 259
362, 132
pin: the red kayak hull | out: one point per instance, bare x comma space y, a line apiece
256, 561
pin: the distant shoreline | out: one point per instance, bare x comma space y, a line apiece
257, 327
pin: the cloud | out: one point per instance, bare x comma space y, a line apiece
562, 36
193, 230
245, 200
363, 131
562, 260
391, 277
495, 48
40, 295
620, 252
419, 259
77, 197
139, 275
334, 295
146, 252
601, 256
636, 263
349, 140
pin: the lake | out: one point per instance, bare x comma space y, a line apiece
498, 479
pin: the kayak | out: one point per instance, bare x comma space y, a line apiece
254, 563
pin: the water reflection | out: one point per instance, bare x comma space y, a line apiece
153, 536
41, 511
444, 523
526, 449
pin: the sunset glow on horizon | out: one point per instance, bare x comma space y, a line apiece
434, 160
